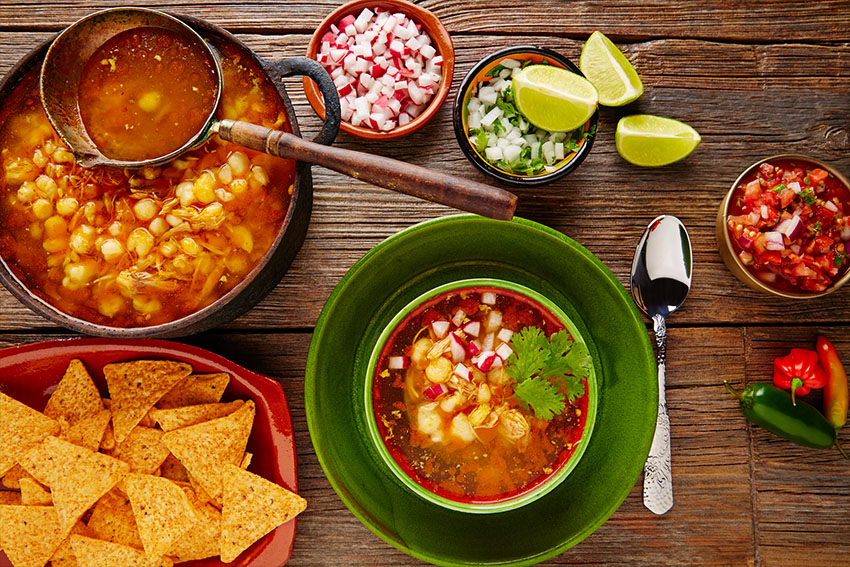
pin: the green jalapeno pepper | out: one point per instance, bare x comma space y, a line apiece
771, 408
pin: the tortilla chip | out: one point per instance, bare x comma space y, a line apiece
147, 420
21, 428
75, 397
96, 553
136, 386
76, 476
12, 479
202, 538
108, 441
252, 507
142, 450
88, 432
30, 534
64, 555
173, 469
34, 494
203, 448
196, 389
175, 418
112, 519
162, 509
9, 498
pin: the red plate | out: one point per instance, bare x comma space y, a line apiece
29, 373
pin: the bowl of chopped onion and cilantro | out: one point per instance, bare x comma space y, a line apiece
532, 147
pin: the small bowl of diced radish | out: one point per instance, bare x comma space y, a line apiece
497, 138
391, 61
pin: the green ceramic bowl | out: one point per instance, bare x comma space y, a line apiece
448, 249
518, 500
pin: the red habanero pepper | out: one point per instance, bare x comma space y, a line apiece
836, 396
798, 371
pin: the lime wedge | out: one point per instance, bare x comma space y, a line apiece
653, 141
554, 99
610, 72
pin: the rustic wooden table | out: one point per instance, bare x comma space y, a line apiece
755, 79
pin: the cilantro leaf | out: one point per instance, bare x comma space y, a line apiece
579, 360
542, 396
528, 356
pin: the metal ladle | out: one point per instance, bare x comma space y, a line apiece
60, 80
660, 281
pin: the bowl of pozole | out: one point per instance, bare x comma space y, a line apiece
157, 251
481, 396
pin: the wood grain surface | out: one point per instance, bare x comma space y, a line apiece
756, 79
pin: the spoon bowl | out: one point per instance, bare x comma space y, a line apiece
660, 281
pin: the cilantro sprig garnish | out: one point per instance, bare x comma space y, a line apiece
544, 367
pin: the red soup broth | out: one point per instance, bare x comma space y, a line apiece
511, 451
145, 93
788, 225
134, 248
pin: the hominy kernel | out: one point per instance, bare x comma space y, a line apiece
111, 250
115, 229
36, 230
140, 241
144, 304
260, 175
81, 239
225, 174
90, 210
53, 245
239, 186
223, 195
61, 155
49, 147
205, 188
158, 226
42, 209
79, 274
185, 191
145, 209
172, 220
168, 249
46, 185
183, 265
67, 206
151, 173
55, 227
26, 192
39, 158
238, 163
110, 305
190, 246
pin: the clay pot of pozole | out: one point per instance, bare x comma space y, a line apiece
161, 251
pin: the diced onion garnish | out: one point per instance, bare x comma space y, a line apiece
773, 241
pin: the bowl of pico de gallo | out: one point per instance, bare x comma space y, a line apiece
784, 227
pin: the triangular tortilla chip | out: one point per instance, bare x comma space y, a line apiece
142, 450
173, 469
175, 418
162, 509
88, 432
196, 389
21, 428
252, 507
202, 539
112, 519
205, 447
33, 494
12, 479
75, 397
96, 553
76, 476
64, 555
9, 498
30, 534
136, 386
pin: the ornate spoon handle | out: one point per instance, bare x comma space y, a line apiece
658, 472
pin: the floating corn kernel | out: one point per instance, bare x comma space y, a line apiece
111, 249
26, 192
140, 241
183, 265
145, 209
82, 239
110, 305
205, 188
150, 101
55, 227
158, 226
46, 186
225, 174
185, 191
67, 206
61, 155
239, 163
190, 246
42, 209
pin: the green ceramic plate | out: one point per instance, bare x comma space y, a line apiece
447, 249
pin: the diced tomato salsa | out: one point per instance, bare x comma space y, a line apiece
788, 225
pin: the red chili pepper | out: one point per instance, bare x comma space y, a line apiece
836, 396
798, 371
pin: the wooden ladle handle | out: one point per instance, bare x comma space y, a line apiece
396, 175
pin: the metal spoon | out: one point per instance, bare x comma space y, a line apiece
60, 79
661, 278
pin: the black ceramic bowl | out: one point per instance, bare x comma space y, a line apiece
277, 259
469, 86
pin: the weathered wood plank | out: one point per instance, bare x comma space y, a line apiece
802, 495
764, 21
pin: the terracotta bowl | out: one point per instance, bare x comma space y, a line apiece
729, 255
441, 41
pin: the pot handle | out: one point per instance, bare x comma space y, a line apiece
295, 66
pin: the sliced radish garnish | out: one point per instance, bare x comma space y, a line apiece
485, 360
488, 297
505, 335
458, 317
440, 328
463, 372
435, 391
504, 351
473, 328
458, 348
494, 320
473, 348
398, 362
